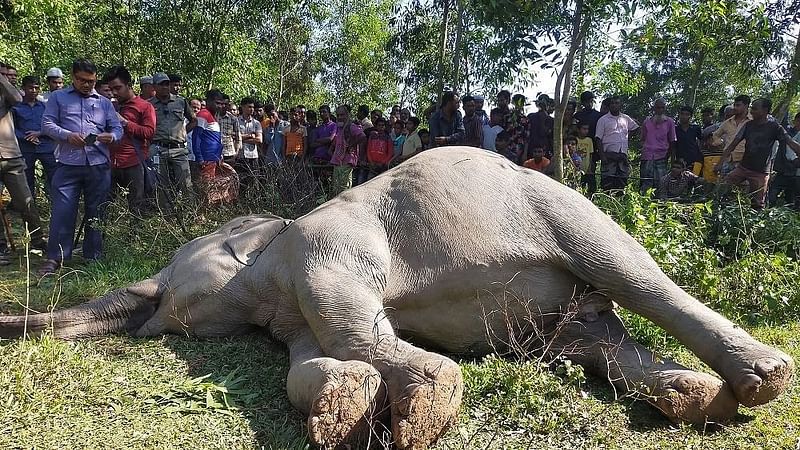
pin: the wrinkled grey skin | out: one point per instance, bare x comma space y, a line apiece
432, 252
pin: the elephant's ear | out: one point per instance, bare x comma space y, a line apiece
251, 237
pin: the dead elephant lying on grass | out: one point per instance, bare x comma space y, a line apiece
403, 259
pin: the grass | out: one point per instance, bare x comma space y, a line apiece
179, 392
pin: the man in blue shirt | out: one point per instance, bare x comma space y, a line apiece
28, 127
82, 123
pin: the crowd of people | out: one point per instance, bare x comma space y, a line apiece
98, 138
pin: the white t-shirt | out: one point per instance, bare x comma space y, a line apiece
490, 136
249, 126
613, 132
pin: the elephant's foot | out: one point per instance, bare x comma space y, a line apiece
692, 397
604, 347
758, 373
423, 411
343, 410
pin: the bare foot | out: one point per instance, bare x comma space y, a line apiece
424, 411
693, 397
345, 406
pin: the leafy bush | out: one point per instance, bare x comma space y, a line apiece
738, 261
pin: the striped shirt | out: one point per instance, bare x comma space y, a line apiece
207, 138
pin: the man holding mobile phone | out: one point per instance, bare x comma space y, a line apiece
82, 123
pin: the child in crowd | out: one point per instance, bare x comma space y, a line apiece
586, 151
398, 137
492, 129
678, 182
412, 144
502, 144
571, 152
380, 148
425, 137
538, 161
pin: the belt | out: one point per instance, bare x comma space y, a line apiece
170, 144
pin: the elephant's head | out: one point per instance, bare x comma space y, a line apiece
204, 291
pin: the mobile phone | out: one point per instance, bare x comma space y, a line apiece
90, 139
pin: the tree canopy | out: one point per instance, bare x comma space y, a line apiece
380, 52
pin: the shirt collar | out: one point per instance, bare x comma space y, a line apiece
172, 98
70, 89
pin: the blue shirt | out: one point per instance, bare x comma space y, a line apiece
68, 111
27, 118
273, 139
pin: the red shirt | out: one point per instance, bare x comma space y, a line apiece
380, 148
141, 126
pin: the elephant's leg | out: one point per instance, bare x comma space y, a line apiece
602, 345
340, 397
755, 372
349, 322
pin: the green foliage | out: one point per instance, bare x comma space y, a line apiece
199, 394
523, 396
356, 57
738, 261
695, 52
619, 78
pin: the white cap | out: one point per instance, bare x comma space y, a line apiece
55, 72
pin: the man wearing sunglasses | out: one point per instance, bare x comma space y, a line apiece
82, 123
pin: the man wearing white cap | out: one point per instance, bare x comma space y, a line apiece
55, 81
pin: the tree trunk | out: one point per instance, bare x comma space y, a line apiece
698, 69
581, 80
580, 24
442, 45
215, 47
792, 85
457, 47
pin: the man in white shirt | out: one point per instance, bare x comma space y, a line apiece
613, 130
492, 129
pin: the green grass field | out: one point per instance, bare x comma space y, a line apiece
180, 392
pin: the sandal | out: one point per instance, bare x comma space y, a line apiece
48, 267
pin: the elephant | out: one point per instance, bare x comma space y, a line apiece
373, 288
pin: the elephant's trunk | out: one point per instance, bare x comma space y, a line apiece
119, 310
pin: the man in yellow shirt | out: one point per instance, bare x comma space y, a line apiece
729, 129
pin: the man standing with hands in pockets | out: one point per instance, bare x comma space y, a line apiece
82, 123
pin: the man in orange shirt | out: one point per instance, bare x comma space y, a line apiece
295, 137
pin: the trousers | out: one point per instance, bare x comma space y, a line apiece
12, 174
132, 180
69, 183
175, 177
48, 162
